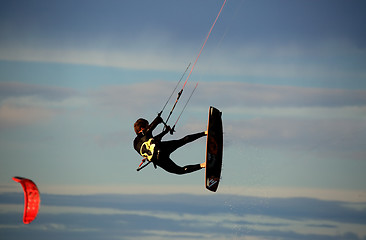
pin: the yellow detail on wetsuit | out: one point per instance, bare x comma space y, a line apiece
147, 149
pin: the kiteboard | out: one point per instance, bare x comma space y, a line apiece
214, 149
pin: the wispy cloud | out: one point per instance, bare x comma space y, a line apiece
233, 94
265, 114
324, 64
24, 104
132, 59
240, 98
184, 215
18, 89
291, 42
227, 94
13, 116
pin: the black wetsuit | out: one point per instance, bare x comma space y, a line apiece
160, 155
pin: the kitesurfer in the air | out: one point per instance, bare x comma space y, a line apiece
153, 149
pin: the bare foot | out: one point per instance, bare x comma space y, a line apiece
203, 165
206, 132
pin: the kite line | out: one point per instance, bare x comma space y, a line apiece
208, 35
194, 64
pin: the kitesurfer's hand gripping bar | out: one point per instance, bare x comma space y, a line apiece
166, 126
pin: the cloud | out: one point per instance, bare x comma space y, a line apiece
353, 197
288, 131
27, 104
255, 113
267, 42
322, 64
267, 115
236, 97
217, 216
18, 89
233, 94
133, 98
131, 59
12, 116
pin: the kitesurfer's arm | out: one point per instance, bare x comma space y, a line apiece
163, 133
155, 123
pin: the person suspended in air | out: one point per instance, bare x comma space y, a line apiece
158, 152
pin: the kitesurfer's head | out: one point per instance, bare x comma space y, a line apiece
140, 125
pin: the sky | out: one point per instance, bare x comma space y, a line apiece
288, 76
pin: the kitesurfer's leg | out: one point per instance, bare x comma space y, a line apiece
171, 146
169, 166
